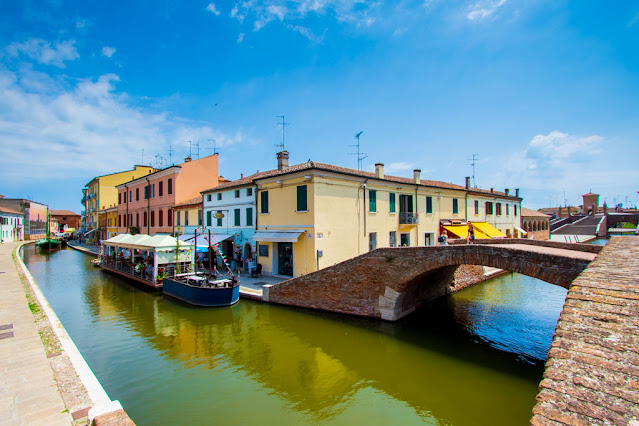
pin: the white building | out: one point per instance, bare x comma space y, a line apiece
11, 225
499, 209
229, 211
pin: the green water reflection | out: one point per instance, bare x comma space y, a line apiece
474, 358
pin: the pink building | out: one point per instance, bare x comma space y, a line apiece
147, 202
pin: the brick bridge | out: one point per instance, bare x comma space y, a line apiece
389, 283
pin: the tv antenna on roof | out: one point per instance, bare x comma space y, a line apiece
189, 149
283, 124
170, 154
360, 155
473, 161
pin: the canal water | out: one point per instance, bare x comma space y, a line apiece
474, 358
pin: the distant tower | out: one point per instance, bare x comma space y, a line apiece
591, 203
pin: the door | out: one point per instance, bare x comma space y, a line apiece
428, 239
404, 240
405, 208
285, 259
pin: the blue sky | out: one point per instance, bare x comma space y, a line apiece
546, 93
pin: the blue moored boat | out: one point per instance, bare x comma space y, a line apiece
201, 291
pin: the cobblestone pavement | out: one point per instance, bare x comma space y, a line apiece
592, 372
28, 391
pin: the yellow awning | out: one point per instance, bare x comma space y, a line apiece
460, 231
488, 230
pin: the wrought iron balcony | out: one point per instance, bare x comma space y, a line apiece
408, 218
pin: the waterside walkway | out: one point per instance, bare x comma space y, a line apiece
44, 379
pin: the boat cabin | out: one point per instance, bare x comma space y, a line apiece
146, 259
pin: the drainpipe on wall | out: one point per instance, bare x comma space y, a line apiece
466, 196
148, 207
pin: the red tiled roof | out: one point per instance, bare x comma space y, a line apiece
10, 211
528, 213
62, 213
191, 202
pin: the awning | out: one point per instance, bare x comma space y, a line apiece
277, 236
487, 229
521, 231
461, 231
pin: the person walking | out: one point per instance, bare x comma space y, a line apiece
471, 234
443, 238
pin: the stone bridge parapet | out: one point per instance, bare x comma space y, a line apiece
389, 283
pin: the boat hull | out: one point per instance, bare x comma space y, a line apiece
47, 244
201, 296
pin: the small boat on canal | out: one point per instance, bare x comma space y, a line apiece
48, 244
200, 290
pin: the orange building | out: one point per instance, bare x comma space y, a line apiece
146, 204
66, 218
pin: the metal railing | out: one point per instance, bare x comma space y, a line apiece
408, 218
126, 268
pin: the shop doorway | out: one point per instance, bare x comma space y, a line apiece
285, 259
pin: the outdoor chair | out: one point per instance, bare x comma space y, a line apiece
257, 271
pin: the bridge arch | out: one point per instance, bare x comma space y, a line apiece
389, 283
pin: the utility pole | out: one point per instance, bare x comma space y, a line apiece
283, 124
360, 155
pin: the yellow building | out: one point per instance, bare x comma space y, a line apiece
100, 193
314, 215
111, 223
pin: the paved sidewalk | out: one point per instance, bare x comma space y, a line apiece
28, 391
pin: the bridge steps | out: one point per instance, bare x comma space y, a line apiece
592, 372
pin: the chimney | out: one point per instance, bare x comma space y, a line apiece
379, 170
491, 190
517, 192
416, 177
506, 191
282, 160
467, 182
241, 175
187, 160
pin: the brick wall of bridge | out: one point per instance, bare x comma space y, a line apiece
390, 283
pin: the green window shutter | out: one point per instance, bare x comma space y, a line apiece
237, 217
455, 206
302, 204
391, 200
372, 201
429, 204
249, 216
219, 221
264, 202
208, 218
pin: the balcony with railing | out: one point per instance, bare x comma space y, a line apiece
408, 218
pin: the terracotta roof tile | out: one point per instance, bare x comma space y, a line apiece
62, 213
528, 212
190, 202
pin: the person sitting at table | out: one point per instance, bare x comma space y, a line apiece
148, 271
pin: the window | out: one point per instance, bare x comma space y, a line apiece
372, 241
137, 194
160, 188
146, 219
489, 207
429, 204
455, 206
186, 218
249, 216
392, 239
169, 186
169, 218
219, 196
119, 198
507, 209
237, 193
302, 204
476, 206
249, 192
515, 210
391, 202
147, 191
372, 200
119, 220
208, 197
124, 193
264, 202
498, 209
199, 217
219, 220
130, 196
237, 217
177, 219
160, 216
152, 217
428, 239
153, 191
208, 217
137, 220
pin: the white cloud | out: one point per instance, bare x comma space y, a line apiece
42, 51
211, 8
240, 37
108, 51
399, 167
484, 9
86, 129
306, 32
